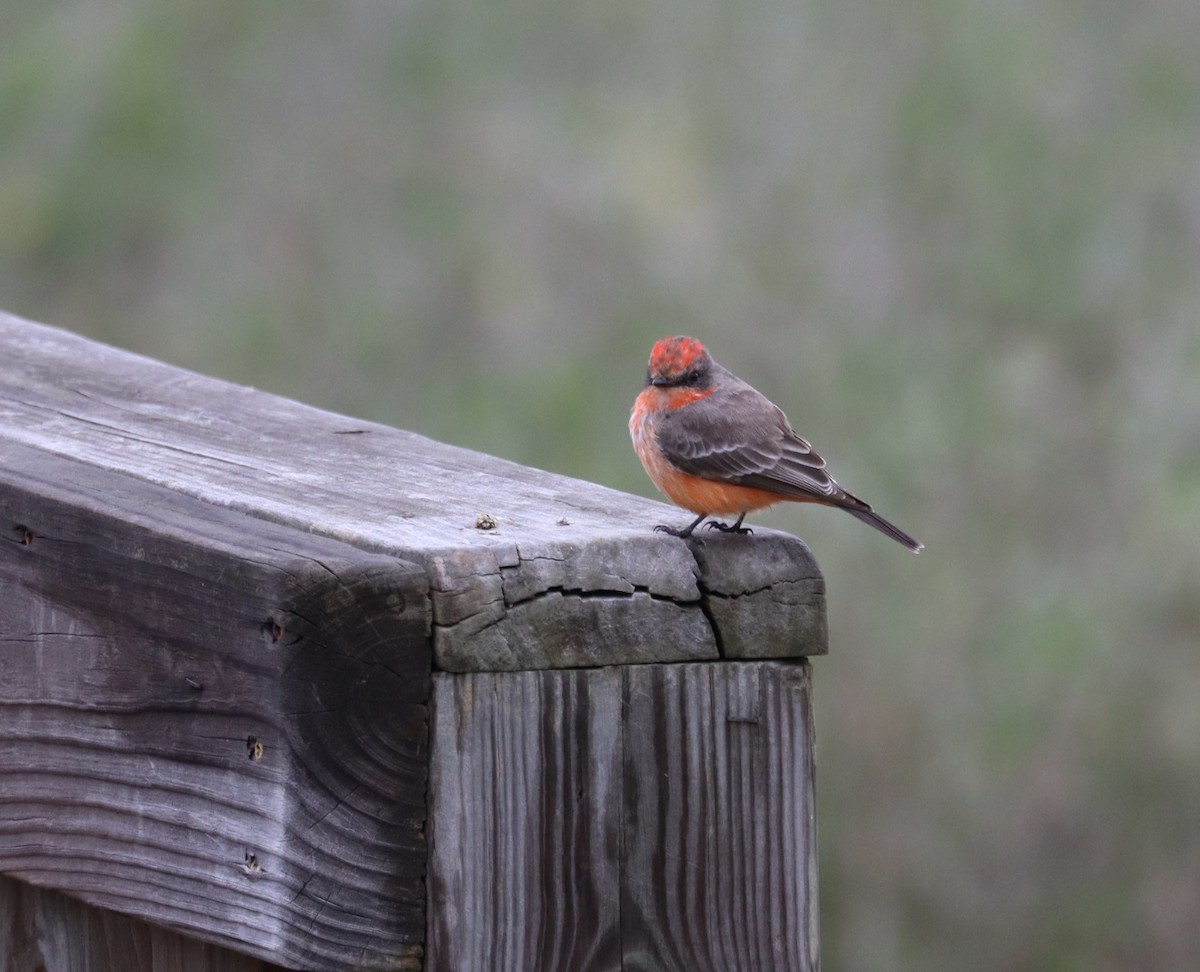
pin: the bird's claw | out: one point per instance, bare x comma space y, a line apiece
681, 534
740, 531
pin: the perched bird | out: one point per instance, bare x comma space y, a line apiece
718, 447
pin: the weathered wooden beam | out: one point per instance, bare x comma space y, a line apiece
222, 615
571, 575
656, 818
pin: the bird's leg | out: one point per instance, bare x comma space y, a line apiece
726, 528
686, 532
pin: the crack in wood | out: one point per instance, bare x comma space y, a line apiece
706, 609
586, 594
130, 436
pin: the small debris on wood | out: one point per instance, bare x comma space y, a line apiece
485, 521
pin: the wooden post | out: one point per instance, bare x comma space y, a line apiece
329, 695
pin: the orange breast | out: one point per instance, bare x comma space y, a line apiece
713, 497
682, 489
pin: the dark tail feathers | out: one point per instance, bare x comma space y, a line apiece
868, 515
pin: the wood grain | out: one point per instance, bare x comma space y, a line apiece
719, 820
525, 805
572, 575
653, 818
210, 721
49, 932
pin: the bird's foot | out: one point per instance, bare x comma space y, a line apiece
685, 534
736, 528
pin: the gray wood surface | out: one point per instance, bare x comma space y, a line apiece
211, 721
652, 818
525, 821
44, 931
718, 834
571, 575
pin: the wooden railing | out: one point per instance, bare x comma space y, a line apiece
329, 695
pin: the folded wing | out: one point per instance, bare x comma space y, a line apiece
748, 441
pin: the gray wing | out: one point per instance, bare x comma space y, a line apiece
746, 440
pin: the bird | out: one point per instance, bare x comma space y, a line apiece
717, 446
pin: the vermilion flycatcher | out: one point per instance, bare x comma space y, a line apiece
716, 446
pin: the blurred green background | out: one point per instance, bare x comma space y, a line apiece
957, 241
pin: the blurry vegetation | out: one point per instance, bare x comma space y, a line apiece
958, 241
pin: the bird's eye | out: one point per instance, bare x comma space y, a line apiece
692, 377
